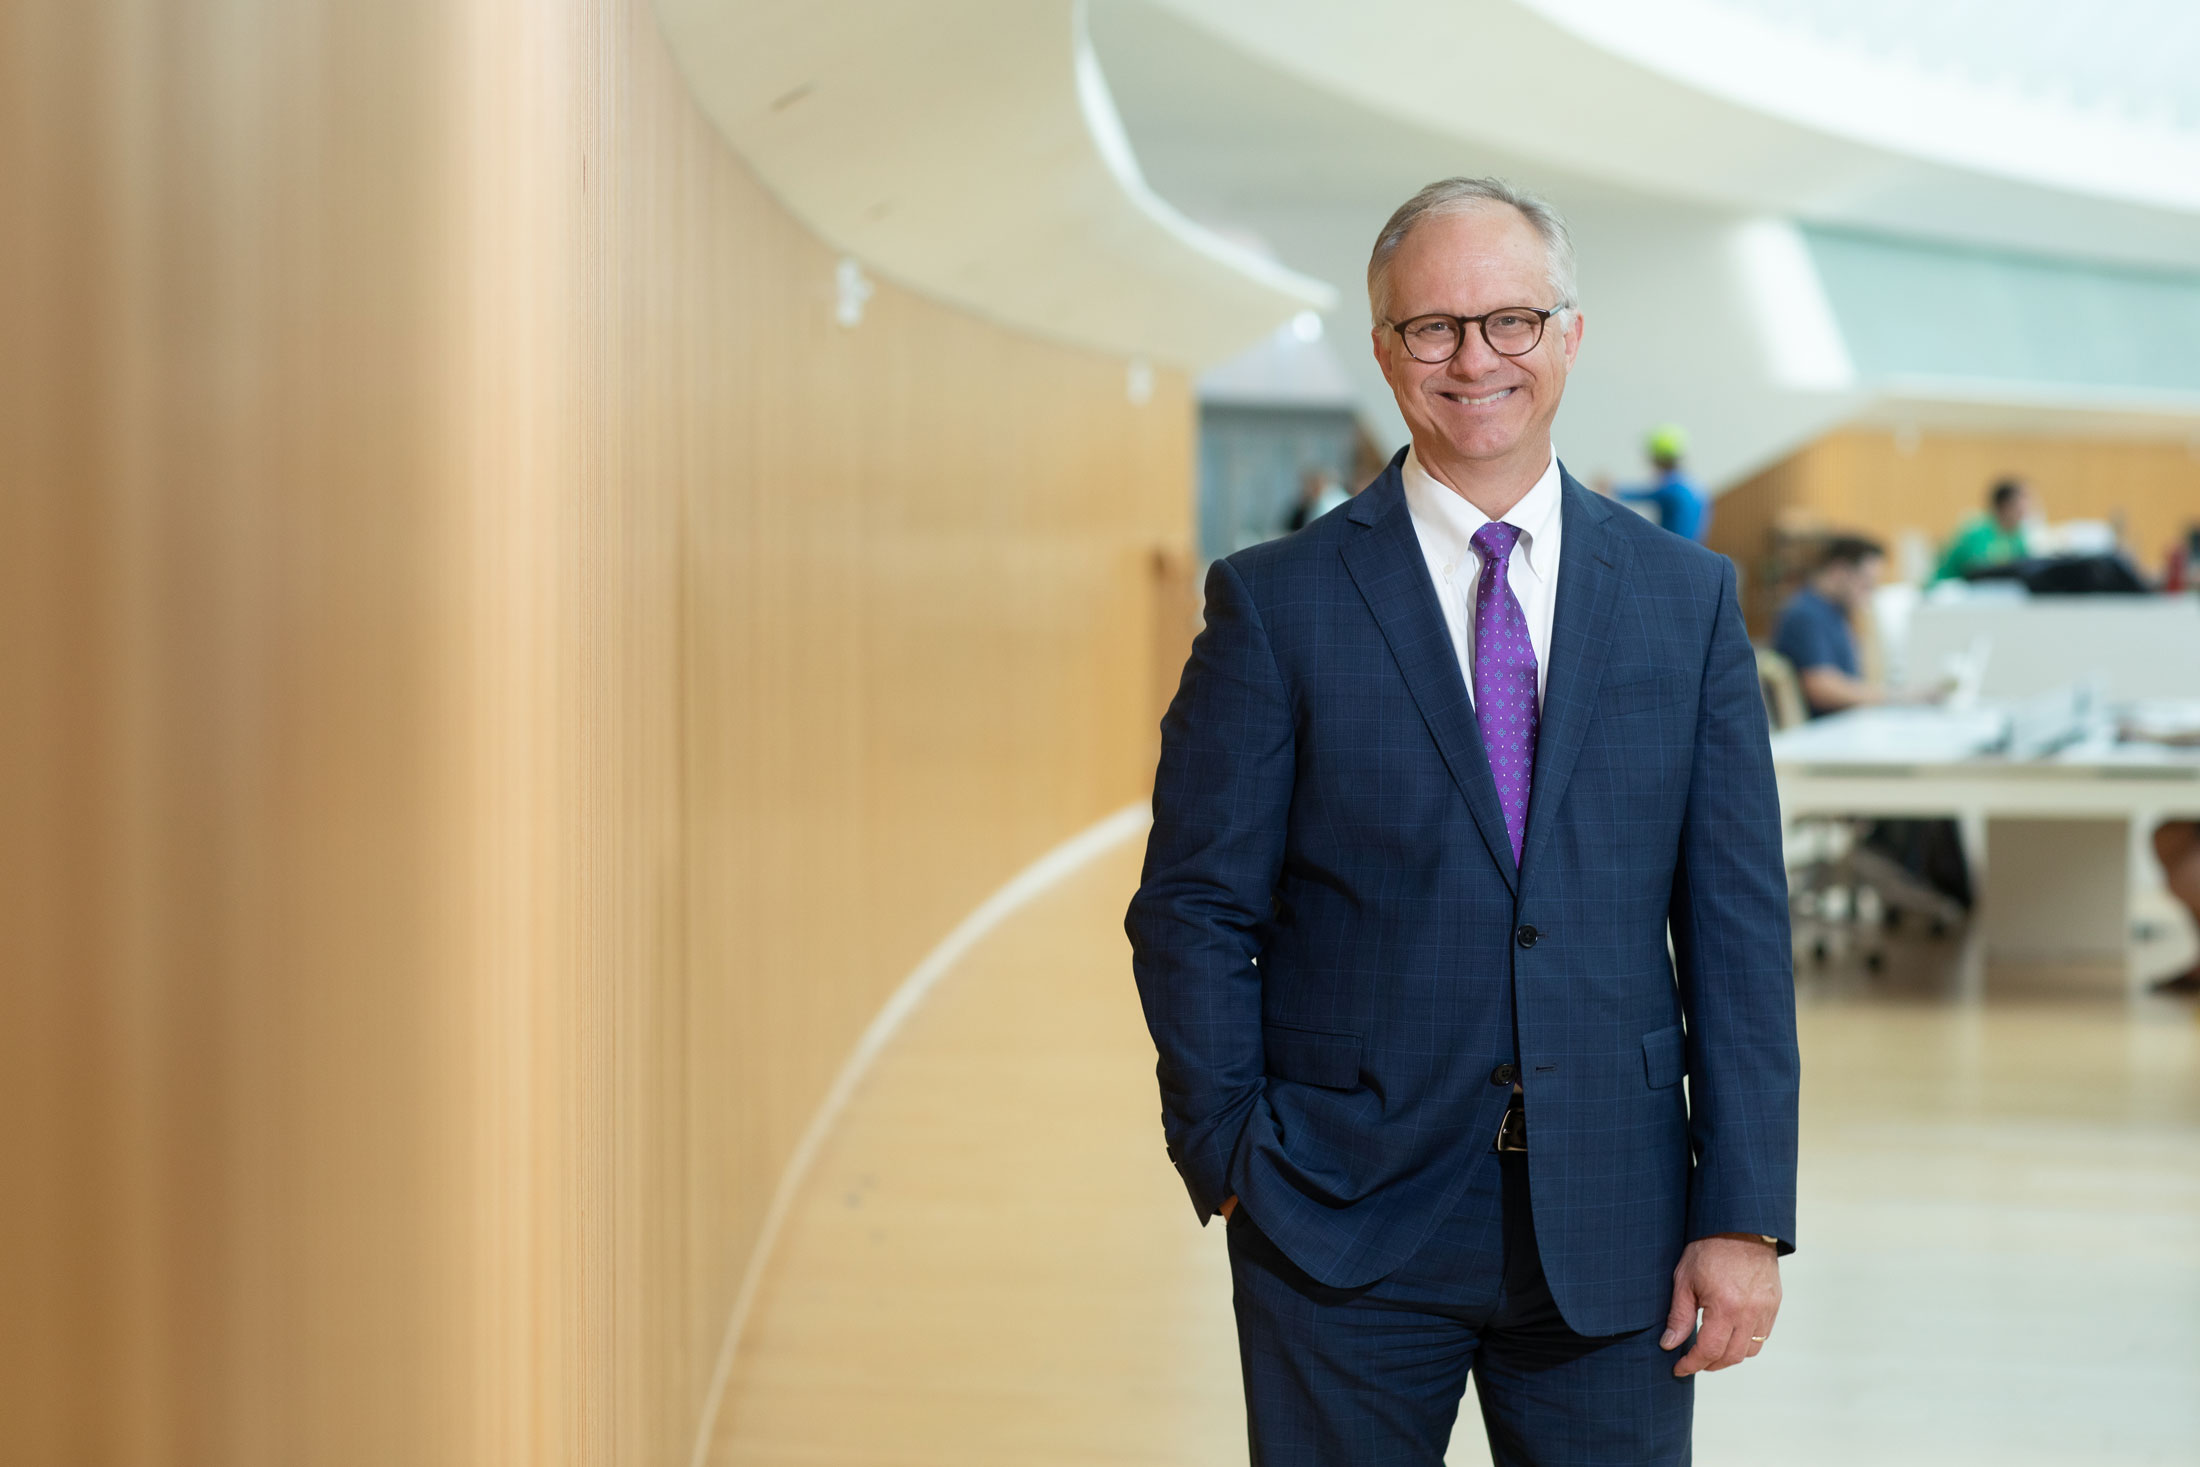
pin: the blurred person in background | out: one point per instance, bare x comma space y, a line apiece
1994, 538
1817, 629
1817, 635
2177, 847
1682, 505
1319, 493
2177, 844
1443, 772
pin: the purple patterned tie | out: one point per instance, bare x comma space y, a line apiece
1504, 679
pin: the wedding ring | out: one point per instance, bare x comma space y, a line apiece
1759, 1339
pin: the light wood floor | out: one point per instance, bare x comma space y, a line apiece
993, 1262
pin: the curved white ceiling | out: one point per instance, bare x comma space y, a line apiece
2139, 59
1279, 150
1989, 88
1737, 103
969, 150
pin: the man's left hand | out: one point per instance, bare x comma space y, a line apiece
1734, 1279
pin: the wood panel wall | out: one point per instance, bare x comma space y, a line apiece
1886, 484
495, 689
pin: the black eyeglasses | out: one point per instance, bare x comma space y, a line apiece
1512, 331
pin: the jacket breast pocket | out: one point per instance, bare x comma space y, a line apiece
1639, 694
1312, 1056
1665, 1057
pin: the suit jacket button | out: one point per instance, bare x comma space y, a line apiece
1527, 936
1503, 1075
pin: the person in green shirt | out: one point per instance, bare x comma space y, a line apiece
1993, 538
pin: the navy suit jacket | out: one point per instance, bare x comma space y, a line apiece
1332, 940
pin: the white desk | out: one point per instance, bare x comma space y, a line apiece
2059, 837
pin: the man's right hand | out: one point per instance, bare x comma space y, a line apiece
1229, 1205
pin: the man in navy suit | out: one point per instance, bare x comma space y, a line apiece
1445, 770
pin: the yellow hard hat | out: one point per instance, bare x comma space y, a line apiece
1668, 440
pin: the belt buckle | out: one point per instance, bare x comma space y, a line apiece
1512, 1131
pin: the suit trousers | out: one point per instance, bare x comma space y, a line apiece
1373, 1377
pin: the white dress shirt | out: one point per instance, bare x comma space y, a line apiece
1445, 523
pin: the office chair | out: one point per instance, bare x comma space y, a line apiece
1837, 885
1783, 690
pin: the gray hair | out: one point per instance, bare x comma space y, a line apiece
1460, 196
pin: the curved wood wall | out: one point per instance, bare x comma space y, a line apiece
495, 689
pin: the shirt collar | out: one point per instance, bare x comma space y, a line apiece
1437, 510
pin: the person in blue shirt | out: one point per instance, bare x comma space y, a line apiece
1682, 505
1815, 634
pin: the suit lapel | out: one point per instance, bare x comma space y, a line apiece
1387, 565
1591, 565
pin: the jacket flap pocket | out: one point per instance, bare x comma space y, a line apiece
1665, 1057
1637, 693
1312, 1056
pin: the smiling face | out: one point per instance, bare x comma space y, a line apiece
1479, 420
